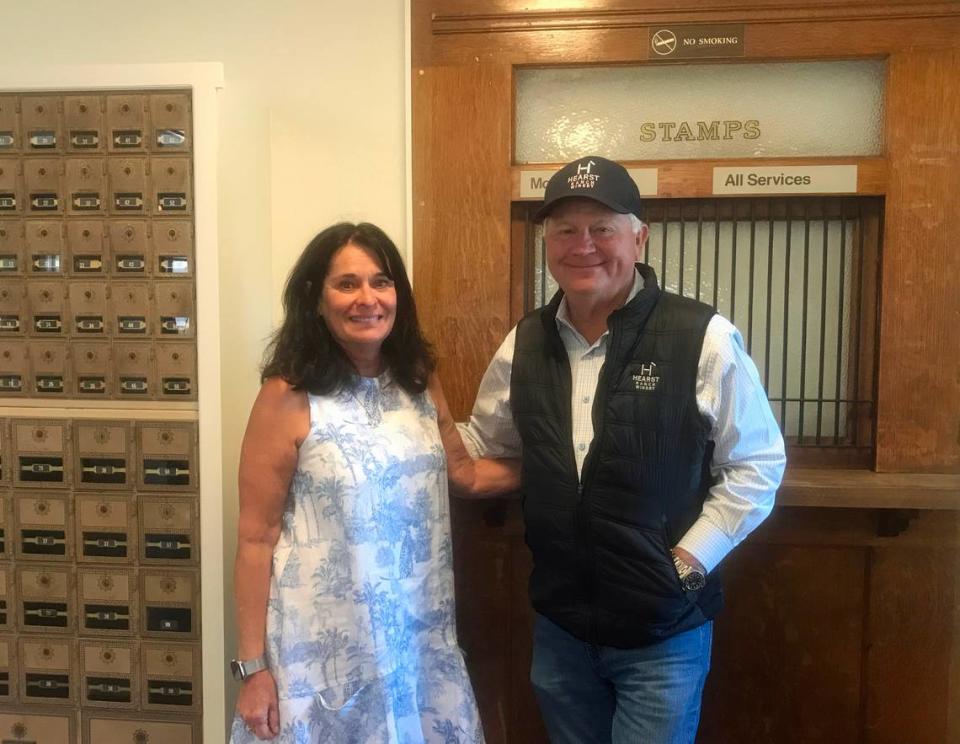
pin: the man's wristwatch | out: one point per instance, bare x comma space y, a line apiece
692, 579
243, 669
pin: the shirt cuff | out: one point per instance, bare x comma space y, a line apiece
707, 543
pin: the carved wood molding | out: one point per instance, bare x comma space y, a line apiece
598, 20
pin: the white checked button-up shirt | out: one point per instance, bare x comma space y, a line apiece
748, 457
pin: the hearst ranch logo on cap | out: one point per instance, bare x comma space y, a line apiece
583, 178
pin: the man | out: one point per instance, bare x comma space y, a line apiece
648, 451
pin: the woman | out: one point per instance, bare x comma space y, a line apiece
344, 568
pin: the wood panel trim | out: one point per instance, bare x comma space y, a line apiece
597, 20
867, 489
694, 178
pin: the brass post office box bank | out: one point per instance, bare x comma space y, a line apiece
48, 368
8, 603
12, 200
12, 261
92, 369
167, 456
173, 248
129, 248
171, 676
43, 182
6, 524
4, 452
127, 179
85, 185
177, 371
108, 601
14, 369
174, 309
170, 118
126, 122
46, 301
83, 119
89, 311
109, 674
103, 454
8, 669
86, 248
44, 526
41, 123
43, 241
169, 526
171, 191
48, 670
138, 729
13, 307
10, 140
170, 603
32, 726
41, 451
134, 369
131, 309
45, 595
106, 528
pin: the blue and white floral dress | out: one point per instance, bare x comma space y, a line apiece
360, 622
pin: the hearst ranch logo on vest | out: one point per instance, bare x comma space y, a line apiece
645, 377
583, 178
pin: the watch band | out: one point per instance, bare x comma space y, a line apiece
692, 579
244, 668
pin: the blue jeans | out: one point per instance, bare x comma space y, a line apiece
602, 695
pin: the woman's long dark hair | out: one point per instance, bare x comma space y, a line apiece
306, 355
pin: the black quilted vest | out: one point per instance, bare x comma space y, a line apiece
602, 567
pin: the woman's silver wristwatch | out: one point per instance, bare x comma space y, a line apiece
243, 669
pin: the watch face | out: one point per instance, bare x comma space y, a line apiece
237, 670
694, 581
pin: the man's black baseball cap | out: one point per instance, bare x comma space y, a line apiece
592, 177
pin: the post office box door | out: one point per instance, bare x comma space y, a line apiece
131, 309
13, 307
108, 601
46, 301
134, 365
9, 125
85, 185
83, 117
11, 249
4, 453
49, 367
46, 598
173, 248
43, 527
33, 727
109, 672
86, 248
40, 449
41, 122
169, 527
91, 374
171, 676
11, 189
127, 185
130, 248
177, 371
8, 603
172, 191
138, 729
48, 670
44, 246
89, 308
43, 180
171, 119
167, 456
8, 669
126, 122
170, 602
104, 455
6, 524
175, 309
106, 528
14, 368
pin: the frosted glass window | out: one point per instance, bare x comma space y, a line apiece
796, 109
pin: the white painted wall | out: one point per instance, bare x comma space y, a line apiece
311, 131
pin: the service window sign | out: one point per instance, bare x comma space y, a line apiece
800, 179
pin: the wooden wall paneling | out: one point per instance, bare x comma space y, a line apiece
918, 417
525, 723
